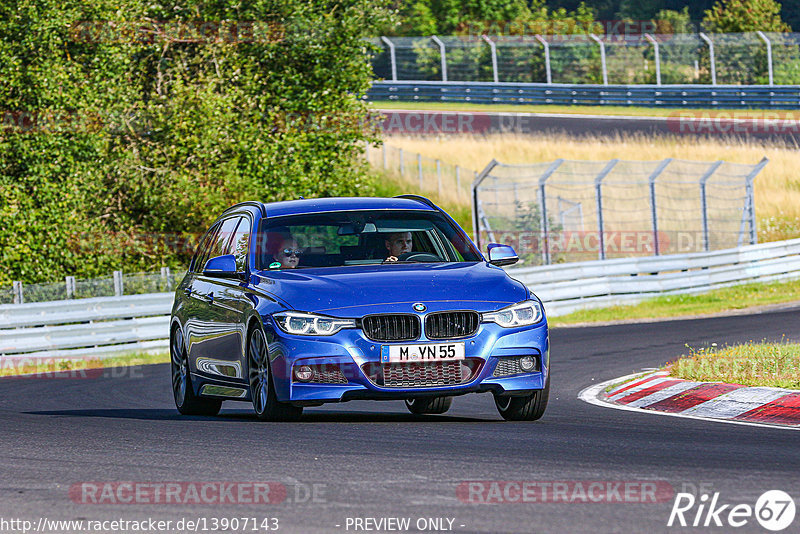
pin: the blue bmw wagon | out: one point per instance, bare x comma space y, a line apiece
299, 303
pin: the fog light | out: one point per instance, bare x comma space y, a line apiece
527, 363
303, 373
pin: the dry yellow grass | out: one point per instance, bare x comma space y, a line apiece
777, 188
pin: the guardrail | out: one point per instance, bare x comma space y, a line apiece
98, 327
582, 285
101, 326
677, 96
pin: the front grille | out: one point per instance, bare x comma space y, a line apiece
451, 324
511, 366
327, 374
391, 327
422, 374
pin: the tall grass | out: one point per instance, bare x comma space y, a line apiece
777, 188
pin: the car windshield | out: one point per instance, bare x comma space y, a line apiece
344, 238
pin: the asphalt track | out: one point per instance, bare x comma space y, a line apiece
376, 460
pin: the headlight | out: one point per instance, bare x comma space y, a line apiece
522, 314
308, 324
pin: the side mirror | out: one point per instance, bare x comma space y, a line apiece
221, 267
501, 255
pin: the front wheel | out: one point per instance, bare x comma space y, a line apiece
185, 400
528, 408
429, 405
262, 390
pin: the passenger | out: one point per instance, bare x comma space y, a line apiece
397, 244
288, 253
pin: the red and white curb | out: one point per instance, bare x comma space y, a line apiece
658, 393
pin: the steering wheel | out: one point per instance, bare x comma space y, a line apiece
418, 256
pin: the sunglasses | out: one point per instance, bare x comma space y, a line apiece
291, 252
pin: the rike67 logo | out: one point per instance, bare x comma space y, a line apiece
774, 510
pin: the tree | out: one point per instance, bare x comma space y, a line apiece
737, 16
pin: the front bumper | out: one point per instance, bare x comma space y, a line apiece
351, 351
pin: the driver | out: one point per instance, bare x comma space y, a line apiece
288, 253
397, 244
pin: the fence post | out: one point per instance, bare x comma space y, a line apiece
710, 44
494, 56
475, 215
751, 197
443, 53
118, 287
165, 275
599, 41
704, 203
392, 57
18, 296
543, 203
769, 55
419, 170
598, 185
402, 163
69, 282
653, 210
439, 178
546, 46
658, 56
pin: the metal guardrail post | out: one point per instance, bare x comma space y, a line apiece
658, 56
704, 203
769, 55
653, 207
69, 282
710, 44
543, 203
402, 163
751, 197
598, 185
419, 170
475, 215
494, 56
546, 46
19, 298
439, 177
602, 56
443, 53
392, 57
118, 286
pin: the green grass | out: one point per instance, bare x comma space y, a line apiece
50, 366
716, 301
577, 110
750, 364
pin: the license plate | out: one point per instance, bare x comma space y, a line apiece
429, 352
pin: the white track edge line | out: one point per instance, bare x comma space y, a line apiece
590, 395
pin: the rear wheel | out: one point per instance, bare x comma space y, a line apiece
262, 390
185, 399
429, 405
528, 408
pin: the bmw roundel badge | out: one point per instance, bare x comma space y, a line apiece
420, 307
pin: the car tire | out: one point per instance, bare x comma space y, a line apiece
528, 408
429, 405
262, 388
182, 391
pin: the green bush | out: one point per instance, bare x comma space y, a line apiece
117, 131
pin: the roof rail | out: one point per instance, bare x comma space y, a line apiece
420, 198
253, 203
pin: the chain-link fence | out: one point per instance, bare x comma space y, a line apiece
581, 210
715, 58
451, 183
118, 284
